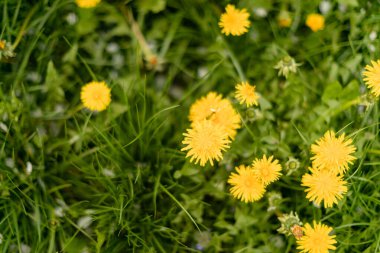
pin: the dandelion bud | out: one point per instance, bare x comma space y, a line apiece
289, 224
284, 19
250, 114
274, 199
6, 50
286, 65
291, 165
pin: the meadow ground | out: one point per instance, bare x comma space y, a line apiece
76, 178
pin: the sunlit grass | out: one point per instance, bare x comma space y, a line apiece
72, 180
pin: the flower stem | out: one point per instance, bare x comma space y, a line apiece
235, 62
137, 33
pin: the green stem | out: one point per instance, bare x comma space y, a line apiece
127, 13
180, 205
24, 27
235, 62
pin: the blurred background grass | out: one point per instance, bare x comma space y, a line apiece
75, 181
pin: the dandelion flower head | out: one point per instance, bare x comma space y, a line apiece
234, 21
333, 153
87, 3
245, 185
316, 239
2, 44
205, 142
218, 110
284, 19
372, 77
266, 169
315, 22
245, 93
322, 185
96, 96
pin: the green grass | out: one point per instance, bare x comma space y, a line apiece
116, 181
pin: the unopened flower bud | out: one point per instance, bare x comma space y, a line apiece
290, 225
6, 50
286, 65
291, 166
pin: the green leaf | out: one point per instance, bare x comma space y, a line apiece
71, 55
101, 237
151, 5
332, 91
75, 245
189, 171
351, 91
87, 21
352, 3
264, 103
53, 84
243, 219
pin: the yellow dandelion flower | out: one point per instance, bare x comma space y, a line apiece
316, 239
205, 142
2, 44
372, 77
284, 22
324, 186
245, 185
333, 153
284, 19
245, 93
267, 169
96, 96
218, 110
315, 22
234, 21
87, 3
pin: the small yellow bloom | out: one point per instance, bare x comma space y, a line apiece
2, 44
315, 22
234, 21
316, 239
297, 231
245, 185
372, 77
331, 153
87, 3
266, 169
245, 93
6, 50
284, 22
96, 96
218, 110
205, 142
284, 19
324, 186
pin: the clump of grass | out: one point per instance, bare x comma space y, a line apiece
73, 180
